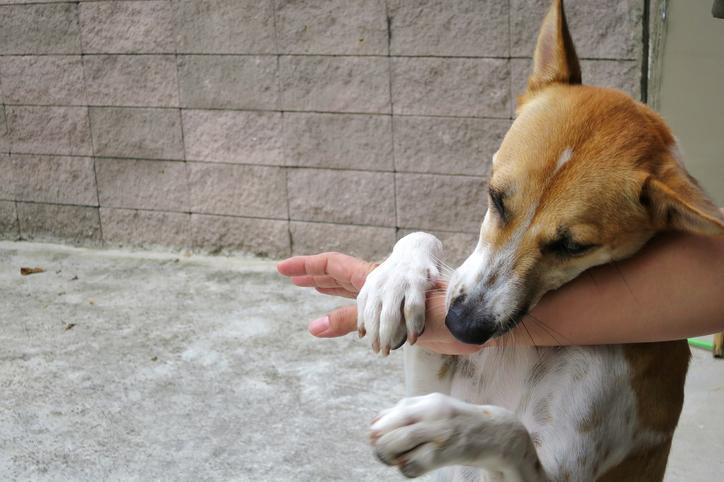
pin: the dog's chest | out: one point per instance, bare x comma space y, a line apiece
516, 377
571, 400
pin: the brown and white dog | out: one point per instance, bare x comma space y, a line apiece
585, 176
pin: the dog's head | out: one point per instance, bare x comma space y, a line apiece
584, 176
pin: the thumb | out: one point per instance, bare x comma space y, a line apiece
338, 322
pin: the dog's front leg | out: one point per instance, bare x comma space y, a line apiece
426, 372
424, 433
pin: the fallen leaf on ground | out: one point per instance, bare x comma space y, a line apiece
27, 271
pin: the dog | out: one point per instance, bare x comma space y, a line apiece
584, 176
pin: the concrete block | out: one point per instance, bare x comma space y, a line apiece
7, 183
126, 227
4, 141
256, 191
335, 84
348, 197
446, 145
609, 30
158, 185
229, 136
367, 242
457, 87
456, 247
127, 27
57, 222
39, 29
16, 2
8, 221
223, 234
346, 141
520, 70
228, 81
332, 27
433, 201
131, 80
619, 74
140, 133
49, 130
50, 179
440, 27
225, 26
44, 79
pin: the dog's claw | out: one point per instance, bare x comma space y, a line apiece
402, 342
412, 337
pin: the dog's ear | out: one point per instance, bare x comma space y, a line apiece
676, 202
555, 59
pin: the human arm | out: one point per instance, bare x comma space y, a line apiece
672, 289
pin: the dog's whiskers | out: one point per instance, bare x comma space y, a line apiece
550, 331
620, 273
442, 264
532, 341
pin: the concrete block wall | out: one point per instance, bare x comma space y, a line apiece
271, 126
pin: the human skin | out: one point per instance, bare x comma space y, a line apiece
672, 289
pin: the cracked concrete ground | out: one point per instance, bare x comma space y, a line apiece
119, 365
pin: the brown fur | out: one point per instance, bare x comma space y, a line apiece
658, 372
645, 466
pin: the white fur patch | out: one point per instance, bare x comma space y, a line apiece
503, 295
564, 158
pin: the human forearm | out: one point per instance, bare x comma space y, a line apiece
674, 288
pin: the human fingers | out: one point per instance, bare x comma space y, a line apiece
346, 269
307, 281
338, 322
337, 292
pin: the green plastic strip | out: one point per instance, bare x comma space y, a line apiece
701, 344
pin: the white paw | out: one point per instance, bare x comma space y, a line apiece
391, 304
421, 434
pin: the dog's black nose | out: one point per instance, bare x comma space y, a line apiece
468, 322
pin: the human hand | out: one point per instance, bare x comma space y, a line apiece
342, 275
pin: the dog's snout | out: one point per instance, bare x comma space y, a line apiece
468, 322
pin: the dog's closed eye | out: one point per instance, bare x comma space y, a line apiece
497, 201
565, 247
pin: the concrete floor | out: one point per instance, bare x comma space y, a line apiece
117, 365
